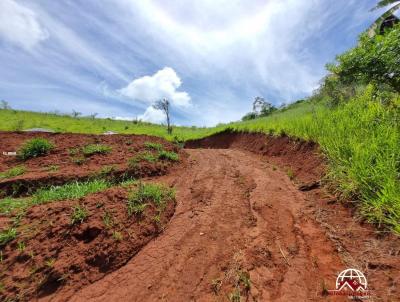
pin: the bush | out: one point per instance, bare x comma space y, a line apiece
167, 155
34, 148
92, 149
374, 60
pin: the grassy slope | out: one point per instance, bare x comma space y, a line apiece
361, 140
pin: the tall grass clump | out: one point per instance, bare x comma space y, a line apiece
361, 140
34, 148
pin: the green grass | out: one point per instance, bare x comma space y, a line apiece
15, 171
79, 214
360, 139
142, 156
92, 149
157, 194
153, 146
34, 147
168, 155
7, 235
73, 190
11, 119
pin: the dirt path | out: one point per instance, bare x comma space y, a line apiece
237, 217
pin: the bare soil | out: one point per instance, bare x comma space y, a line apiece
251, 220
66, 163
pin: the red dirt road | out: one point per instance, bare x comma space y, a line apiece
237, 216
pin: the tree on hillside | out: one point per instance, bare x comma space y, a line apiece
75, 114
164, 105
4, 105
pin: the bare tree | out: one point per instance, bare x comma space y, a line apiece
75, 114
93, 115
164, 106
4, 105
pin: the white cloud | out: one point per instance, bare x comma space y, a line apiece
19, 25
152, 115
163, 84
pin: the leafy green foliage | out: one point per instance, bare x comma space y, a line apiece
374, 60
142, 156
92, 149
18, 170
34, 148
168, 155
79, 214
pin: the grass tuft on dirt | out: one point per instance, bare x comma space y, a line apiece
34, 148
13, 172
92, 149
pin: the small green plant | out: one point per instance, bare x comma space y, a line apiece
7, 235
78, 160
21, 246
51, 168
79, 214
234, 296
168, 155
290, 174
106, 170
34, 148
153, 146
244, 280
50, 262
146, 193
18, 170
92, 149
142, 156
216, 285
108, 220
117, 236
73, 151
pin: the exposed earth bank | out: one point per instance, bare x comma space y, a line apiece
247, 226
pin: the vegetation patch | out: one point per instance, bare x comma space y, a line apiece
34, 148
168, 155
13, 172
92, 149
79, 214
153, 146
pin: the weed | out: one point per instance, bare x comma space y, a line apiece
79, 214
50, 262
18, 170
117, 236
92, 149
168, 155
244, 280
51, 168
7, 235
107, 170
153, 146
145, 193
234, 296
1, 257
34, 148
21, 246
142, 156
73, 151
290, 174
108, 220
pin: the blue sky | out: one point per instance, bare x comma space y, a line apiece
209, 57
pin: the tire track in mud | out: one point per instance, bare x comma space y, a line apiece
236, 216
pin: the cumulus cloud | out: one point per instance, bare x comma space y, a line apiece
19, 25
152, 115
163, 84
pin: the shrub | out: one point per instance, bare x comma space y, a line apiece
34, 148
19, 170
168, 155
92, 149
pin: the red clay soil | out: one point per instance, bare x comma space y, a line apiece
64, 257
39, 170
242, 227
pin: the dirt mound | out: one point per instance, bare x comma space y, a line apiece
67, 163
53, 254
301, 159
